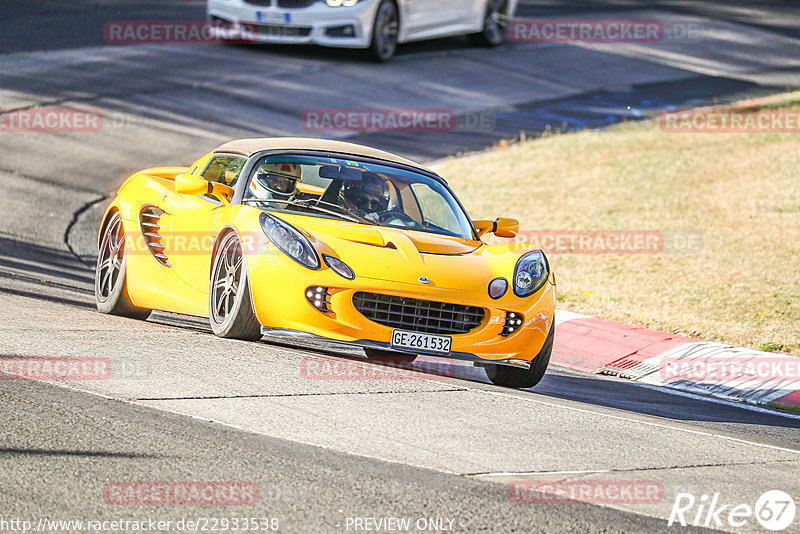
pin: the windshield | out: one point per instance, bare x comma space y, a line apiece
361, 192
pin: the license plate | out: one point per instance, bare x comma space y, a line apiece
273, 17
415, 341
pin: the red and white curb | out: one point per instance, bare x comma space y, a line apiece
686, 364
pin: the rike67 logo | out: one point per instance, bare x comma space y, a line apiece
774, 510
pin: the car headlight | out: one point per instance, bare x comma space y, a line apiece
342, 3
530, 274
339, 267
290, 241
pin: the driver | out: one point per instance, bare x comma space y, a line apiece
276, 181
370, 195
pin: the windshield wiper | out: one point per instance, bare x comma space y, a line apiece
307, 204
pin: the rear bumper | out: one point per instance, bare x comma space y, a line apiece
345, 27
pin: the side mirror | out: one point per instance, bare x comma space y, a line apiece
191, 184
501, 227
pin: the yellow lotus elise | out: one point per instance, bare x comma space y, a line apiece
333, 240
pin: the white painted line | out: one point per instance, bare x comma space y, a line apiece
542, 473
563, 316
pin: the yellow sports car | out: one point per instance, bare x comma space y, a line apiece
330, 239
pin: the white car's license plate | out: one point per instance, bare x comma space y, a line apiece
272, 17
415, 341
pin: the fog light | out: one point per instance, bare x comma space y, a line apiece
513, 323
341, 31
319, 297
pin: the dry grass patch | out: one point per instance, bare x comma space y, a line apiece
742, 191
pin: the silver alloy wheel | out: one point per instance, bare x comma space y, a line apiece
387, 29
109, 263
227, 279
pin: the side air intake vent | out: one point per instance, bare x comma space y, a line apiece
149, 224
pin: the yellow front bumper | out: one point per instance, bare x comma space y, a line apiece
279, 299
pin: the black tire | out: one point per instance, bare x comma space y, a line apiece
110, 280
495, 25
389, 356
514, 377
230, 307
385, 31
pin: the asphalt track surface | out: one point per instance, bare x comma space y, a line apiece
188, 406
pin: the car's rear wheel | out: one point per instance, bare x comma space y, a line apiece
495, 24
110, 280
385, 31
229, 301
514, 377
389, 356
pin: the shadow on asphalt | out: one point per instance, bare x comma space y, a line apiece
89, 454
565, 384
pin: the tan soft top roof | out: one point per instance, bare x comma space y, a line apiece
248, 147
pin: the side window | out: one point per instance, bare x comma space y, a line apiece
224, 169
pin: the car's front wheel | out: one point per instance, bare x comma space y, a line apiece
110, 280
495, 24
385, 31
514, 377
229, 301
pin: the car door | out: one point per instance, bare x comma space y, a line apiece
193, 222
428, 16
468, 13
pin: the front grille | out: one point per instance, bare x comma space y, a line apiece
263, 3
271, 30
295, 4
418, 315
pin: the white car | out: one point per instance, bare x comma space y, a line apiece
378, 25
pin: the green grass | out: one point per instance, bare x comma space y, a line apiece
741, 191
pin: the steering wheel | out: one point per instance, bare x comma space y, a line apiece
387, 216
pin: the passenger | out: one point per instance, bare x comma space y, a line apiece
276, 181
